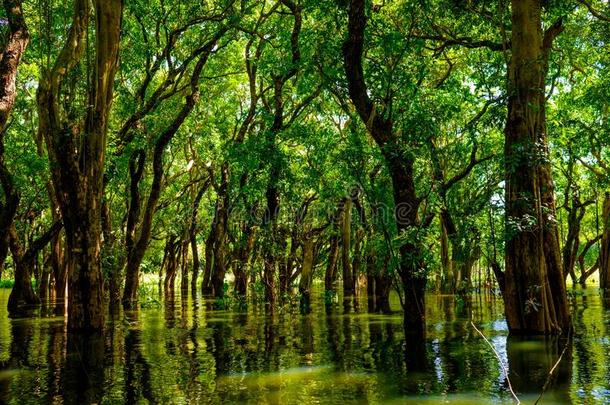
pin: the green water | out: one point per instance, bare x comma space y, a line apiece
186, 352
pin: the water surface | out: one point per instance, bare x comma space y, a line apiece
187, 351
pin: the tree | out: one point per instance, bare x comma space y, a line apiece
12, 51
76, 149
535, 293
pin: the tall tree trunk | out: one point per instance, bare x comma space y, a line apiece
447, 283
604, 252
14, 47
349, 286
571, 246
535, 294
400, 167
271, 232
136, 172
219, 250
193, 235
330, 275
60, 274
77, 162
206, 283
113, 261
272, 194
184, 269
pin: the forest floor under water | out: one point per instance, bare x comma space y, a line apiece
185, 351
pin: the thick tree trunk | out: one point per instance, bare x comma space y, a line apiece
535, 295
77, 162
14, 47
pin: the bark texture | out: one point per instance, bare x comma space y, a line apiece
535, 293
11, 53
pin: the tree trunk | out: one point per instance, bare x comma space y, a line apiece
23, 293
172, 265
349, 287
447, 284
14, 47
193, 235
370, 281
604, 252
383, 287
60, 274
572, 243
331, 265
271, 232
241, 268
112, 260
307, 272
206, 283
330, 275
184, 269
400, 167
286, 259
136, 172
45, 280
357, 258
535, 295
77, 162
221, 217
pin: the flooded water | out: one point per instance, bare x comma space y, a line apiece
185, 351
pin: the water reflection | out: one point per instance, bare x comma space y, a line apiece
186, 351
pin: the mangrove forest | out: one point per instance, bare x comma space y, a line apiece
305, 201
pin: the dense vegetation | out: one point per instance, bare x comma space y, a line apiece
250, 147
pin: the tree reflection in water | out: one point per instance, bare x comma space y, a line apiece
187, 350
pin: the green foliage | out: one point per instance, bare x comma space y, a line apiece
429, 67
